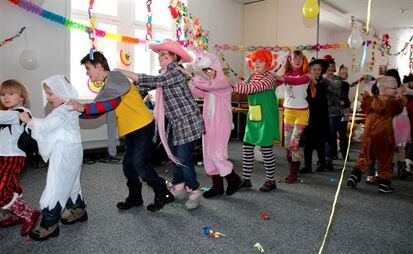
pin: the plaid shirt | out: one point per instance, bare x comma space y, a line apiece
181, 110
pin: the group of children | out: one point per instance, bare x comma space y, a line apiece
59, 140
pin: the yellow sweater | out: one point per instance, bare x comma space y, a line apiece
132, 114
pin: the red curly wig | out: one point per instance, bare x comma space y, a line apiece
288, 67
264, 55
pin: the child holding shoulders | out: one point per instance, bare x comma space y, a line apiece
296, 111
58, 137
318, 123
216, 90
378, 140
13, 97
262, 119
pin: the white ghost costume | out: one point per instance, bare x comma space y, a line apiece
59, 141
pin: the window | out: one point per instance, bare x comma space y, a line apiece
110, 18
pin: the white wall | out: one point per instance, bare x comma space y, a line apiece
46, 38
223, 21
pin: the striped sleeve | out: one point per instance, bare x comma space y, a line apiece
256, 86
95, 109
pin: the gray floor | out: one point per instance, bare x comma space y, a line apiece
365, 221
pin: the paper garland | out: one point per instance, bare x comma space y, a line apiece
10, 39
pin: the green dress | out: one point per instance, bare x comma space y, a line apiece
262, 119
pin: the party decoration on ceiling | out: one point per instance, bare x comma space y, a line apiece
411, 59
311, 9
355, 40
259, 247
125, 57
10, 39
28, 6
209, 232
91, 31
29, 59
193, 33
149, 21
94, 87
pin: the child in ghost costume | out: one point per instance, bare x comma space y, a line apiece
59, 141
216, 89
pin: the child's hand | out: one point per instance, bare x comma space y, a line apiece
76, 106
24, 116
147, 98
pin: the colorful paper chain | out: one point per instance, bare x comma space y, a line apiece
10, 39
193, 33
91, 30
149, 21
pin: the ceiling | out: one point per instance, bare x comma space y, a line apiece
335, 15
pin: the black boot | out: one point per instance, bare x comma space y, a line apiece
354, 178
217, 187
234, 182
134, 199
401, 170
161, 199
305, 170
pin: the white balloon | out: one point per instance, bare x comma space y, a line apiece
29, 59
355, 40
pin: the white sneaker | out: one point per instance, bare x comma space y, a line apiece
409, 166
178, 190
194, 199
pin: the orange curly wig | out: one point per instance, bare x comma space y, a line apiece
264, 55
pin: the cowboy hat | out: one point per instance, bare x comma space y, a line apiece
172, 46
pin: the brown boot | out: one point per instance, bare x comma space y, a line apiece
75, 215
234, 182
292, 176
41, 233
27, 214
217, 187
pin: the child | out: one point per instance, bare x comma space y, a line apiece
122, 103
378, 141
345, 102
13, 97
58, 137
318, 123
296, 112
335, 111
216, 90
185, 123
262, 119
401, 126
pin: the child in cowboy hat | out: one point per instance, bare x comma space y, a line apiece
185, 123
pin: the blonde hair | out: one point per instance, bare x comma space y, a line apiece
16, 87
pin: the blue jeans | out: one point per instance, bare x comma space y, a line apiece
136, 160
331, 148
186, 172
